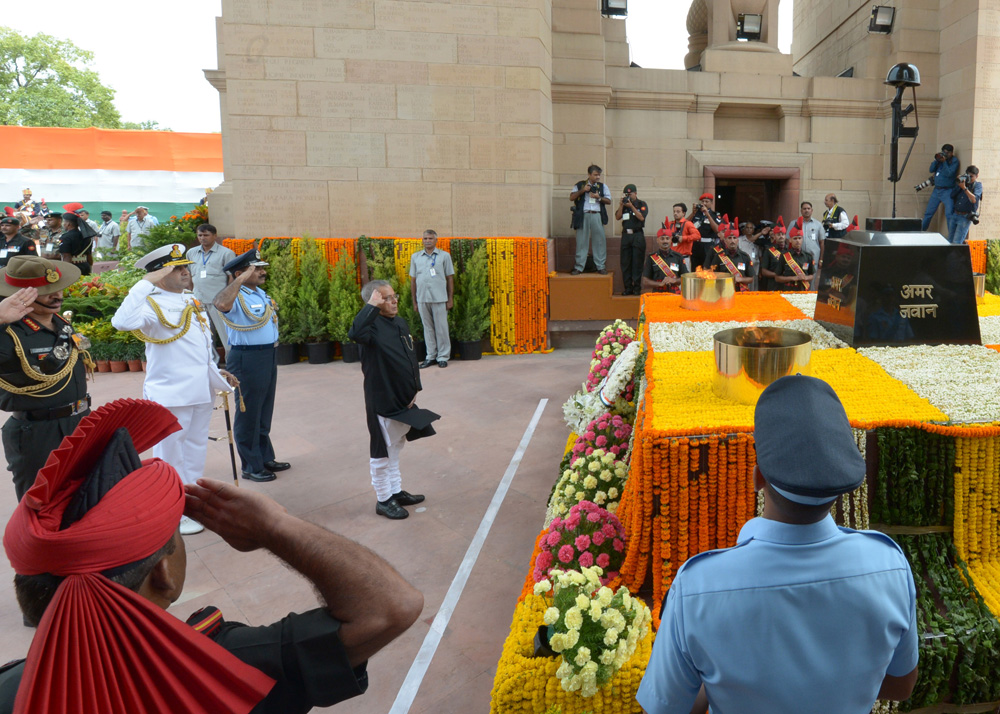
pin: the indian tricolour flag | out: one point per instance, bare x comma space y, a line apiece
109, 169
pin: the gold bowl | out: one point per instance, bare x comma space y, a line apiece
714, 292
747, 359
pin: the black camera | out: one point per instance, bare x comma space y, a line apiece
975, 219
964, 178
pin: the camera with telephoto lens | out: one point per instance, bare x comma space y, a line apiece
922, 185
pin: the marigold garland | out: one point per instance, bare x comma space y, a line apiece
689, 406
977, 502
747, 307
528, 685
977, 250
990, 306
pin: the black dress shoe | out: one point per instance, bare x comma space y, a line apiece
407, 499
574, 271
391, 509
442, 363
277, 465
259, 477
427, 363
602, 271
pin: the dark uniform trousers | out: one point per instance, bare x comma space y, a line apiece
632, 258
256, 367
27, 445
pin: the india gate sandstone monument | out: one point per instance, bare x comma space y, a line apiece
383, 117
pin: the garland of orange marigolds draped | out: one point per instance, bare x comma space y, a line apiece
518, 282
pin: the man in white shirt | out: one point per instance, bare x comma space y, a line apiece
181, 373
813, 234
209, 259
108, 233
139, 223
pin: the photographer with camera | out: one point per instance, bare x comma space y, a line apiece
835, 220
590, 215
967, 197
632, 213
706, 222
683, 235
944, 169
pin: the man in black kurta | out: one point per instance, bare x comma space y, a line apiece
392, 380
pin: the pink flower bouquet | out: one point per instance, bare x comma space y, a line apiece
588, 536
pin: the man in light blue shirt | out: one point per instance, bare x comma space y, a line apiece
432, 286
801, 615
944, 170
251, 320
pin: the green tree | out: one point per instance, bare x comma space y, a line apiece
46, 81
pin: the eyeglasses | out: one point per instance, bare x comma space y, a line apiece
391, 298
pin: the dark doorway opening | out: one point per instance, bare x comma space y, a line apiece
748, 199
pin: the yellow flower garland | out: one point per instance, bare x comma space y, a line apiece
688, 406
990, 305
977, 501
528, 685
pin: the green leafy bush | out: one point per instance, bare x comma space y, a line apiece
283, 286
993, 266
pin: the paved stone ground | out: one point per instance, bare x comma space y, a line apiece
319, 427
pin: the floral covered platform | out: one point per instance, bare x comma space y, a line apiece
927, 419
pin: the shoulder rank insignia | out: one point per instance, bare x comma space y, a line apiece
207, 621
35, 327
51, 276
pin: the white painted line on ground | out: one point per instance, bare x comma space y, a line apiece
408, 690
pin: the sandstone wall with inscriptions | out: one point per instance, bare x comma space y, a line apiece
349, 117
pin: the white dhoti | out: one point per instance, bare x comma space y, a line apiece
385, 471
186, 449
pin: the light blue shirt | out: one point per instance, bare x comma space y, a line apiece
794, 618
256, 301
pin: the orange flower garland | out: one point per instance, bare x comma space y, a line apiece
747, 307
977, 250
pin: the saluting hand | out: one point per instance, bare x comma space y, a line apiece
17, 305
376, 299
157, 275
245, 519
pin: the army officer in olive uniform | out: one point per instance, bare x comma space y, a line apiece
45, 386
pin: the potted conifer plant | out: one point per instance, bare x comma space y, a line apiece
469, 318
283, 285
345, 303
314, 302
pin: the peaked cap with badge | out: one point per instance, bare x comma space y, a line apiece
805, 446
31, 271
250, 259
172, 254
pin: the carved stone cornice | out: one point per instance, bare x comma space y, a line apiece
664, 101
217, 78
857, 108
599, 94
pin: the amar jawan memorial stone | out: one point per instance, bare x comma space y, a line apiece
897, 289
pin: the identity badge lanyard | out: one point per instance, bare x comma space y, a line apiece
204, 261
434, 258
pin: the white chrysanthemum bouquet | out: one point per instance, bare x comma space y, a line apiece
594, 629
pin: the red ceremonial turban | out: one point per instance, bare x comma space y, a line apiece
101, 647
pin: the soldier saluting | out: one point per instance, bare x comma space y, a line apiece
43, 376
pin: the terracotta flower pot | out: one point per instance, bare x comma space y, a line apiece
103, 365
135, 365
119, 366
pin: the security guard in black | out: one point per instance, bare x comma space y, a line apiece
43, 375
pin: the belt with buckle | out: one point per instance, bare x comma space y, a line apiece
242, 348
67, 410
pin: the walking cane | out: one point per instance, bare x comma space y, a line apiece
229, 432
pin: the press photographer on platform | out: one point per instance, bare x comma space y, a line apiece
967, 197
944, 169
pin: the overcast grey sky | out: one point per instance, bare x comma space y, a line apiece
153, 53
